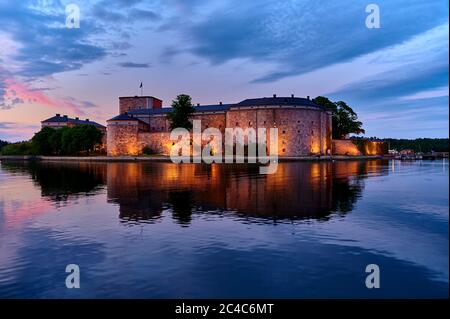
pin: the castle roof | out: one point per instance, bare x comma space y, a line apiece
126, 117
65, 119
140, 96
163, 110
277, 101
264, 101
213, 107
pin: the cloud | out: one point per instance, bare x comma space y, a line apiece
419, 65
118, 12
121, 45
80, 104
302, 36
2, 89
15, 131
140, 14
396, 83
14, 126
133, 65
8, 96
46, 45
403, 119
15, 92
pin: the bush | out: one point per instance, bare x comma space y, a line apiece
20, 148
147, 150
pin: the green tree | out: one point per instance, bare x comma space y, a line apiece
68, 146
20, 148
182, 111
55, 142
80, 139
90, 137
40, 141
3, 144
344, 119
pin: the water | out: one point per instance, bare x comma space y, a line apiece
161, 230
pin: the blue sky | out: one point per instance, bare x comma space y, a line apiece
395, 77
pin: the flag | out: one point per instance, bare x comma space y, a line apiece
140, 86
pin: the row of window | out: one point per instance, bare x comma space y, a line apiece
274, 123
157, 128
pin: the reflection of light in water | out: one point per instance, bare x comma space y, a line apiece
393, 166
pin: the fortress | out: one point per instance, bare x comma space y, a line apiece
304, 128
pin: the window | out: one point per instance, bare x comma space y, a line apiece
284, 132
237, 123
249, 123
284, 150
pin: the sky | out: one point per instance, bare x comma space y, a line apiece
395, 76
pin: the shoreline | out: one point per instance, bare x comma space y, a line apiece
167, 158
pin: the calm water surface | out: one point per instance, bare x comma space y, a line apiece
161, 230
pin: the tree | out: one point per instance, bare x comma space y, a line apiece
420, 144
19, 148
40, 141
90, 137
66, 140
182, 111
2, 144
81, 138
55, 142
344, 119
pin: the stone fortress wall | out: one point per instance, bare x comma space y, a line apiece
303, 130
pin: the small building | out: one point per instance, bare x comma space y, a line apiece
59, 121
407, 152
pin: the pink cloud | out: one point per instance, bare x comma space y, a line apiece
17, 90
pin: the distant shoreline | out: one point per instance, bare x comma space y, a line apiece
166, 158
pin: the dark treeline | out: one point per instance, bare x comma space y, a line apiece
2, 144
77, 140
424, 145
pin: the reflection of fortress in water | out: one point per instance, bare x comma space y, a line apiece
297, 190
144, 190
